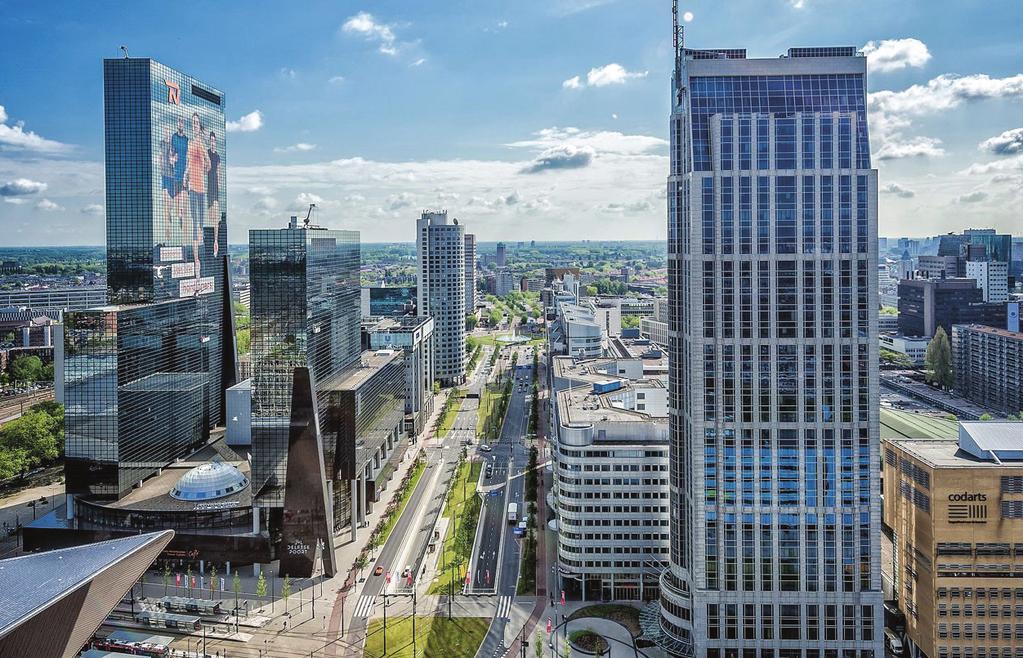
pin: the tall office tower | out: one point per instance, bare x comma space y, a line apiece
997, 246
502, 255
441, 291
305, 315
773, 387
145, 375
470, 273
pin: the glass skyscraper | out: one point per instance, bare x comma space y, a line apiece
305, 313
145, 375
773, 388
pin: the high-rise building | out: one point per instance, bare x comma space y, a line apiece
502, 255
992, 277
988, 366
414, 335
145, 376
772, 278
440, 244
997, 246
504, 281
470, 273
305, 314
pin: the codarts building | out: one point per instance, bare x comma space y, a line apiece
145, 375
772, 332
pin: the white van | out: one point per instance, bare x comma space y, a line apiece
892, 642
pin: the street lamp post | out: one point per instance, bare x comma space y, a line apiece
385, 623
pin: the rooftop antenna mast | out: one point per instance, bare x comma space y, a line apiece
124, 49
678, 38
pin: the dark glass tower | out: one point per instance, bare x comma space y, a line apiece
773, 386
305, 314
145, 376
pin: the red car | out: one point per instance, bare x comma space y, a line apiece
378, 571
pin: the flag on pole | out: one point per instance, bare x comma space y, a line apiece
177, 580
222, 588
202, 582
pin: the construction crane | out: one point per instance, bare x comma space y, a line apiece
309, 214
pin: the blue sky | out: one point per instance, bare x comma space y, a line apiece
528, 120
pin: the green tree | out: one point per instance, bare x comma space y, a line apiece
12, 462
471, 321
286, 591
36, 434
985, 416
538, 645
166, 578
243, 338
213, 580
47, 373
261, 587
938, 360
630, 322
26, 368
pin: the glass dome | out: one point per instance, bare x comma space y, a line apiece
209, 481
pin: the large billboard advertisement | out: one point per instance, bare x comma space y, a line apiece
189, 182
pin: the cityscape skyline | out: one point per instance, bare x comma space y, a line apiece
519, 148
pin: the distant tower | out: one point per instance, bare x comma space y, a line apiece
773, 378
502, 256
441, 291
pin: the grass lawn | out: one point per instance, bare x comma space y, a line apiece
625, 615
896, 424
436, 637
417, 473
468, 474
447, 421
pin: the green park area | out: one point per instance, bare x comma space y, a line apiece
450, 412
462, 509
896, 424
458, 637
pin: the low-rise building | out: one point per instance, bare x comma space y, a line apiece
992, 277
576, 332
926, 304
913, 347
654, 331
955, 509
989, 366
611, 479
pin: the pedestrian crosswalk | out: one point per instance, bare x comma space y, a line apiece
504, 607
364, 607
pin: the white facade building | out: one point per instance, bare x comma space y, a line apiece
608, 314
577, 333
992, 277
470, 273
441, 291
611, 481
504, 282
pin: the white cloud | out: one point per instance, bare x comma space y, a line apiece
418, 62
15, 201
287, 73
265, 205
336, 80
48, 206
898, 190
502, 24
305, 198
1012, 164
603, 141
611, 74
894, 54
643, 206
20, 187
797, 4
248, 123
914, 147
399, 201
295, 148
688, 17
93, 209
16, 138
972, 197
565, 156
603, 76
893, 112
1009, 142
365, 25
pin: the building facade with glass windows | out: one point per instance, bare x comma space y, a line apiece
305, 314
440, 245
144, 377
772, 332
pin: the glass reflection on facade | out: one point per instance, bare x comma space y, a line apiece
773, 371
305, 313
392, 301
144, 377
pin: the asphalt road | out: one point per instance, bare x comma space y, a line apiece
410, 538
503, 563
